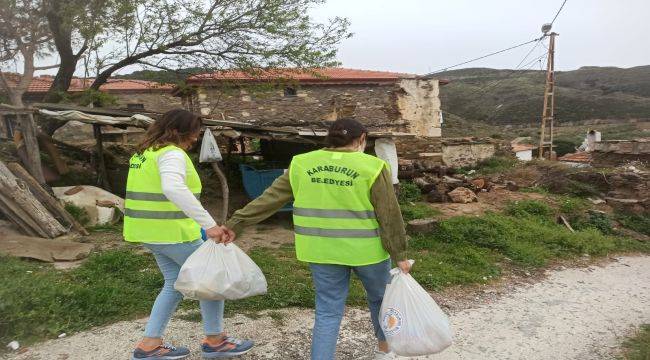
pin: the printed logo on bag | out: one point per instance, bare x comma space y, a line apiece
392, 322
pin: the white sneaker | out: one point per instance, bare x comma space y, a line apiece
380, 355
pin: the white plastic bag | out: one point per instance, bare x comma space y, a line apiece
220, 272
413, 323
209, 148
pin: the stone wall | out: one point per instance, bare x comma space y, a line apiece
462, 152
408, 105
158, 101
641, 146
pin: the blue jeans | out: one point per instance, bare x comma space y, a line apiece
170, 258
332, 283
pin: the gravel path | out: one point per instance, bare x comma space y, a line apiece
572, 314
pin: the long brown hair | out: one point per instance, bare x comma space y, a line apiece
175, 127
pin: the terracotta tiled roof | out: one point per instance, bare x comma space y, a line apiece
579, 157
41, 84
522, 147
318, 75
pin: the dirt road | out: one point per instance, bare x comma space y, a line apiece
572, 314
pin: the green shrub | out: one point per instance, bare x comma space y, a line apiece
496, 164
409, 192
637, 222
601, 222
418, 211
526, 208
565, 146
80, 214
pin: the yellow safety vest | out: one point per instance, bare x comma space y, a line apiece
148, 215
334, 220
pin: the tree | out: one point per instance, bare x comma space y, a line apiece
24, 35
219, 34
78, 27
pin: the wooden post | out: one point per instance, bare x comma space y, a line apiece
549, 101
33, 155
242, 146
53, 151
102, 174
223, 216
228, 159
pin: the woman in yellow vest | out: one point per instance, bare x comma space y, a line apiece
346, 219
162, 211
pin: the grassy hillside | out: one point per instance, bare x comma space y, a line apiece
515, 97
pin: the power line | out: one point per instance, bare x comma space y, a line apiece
482, 57
513, 71
558, 12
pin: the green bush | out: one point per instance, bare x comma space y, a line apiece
418, 211
572, 206
496, 164
526, 208
565, 146
409, 192
601, 222
78, 213
637, 222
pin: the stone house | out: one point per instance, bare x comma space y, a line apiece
383, 101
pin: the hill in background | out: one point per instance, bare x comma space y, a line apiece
516, 96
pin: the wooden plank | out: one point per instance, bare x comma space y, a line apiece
102, 174
223, 181
50, 203
14, 214
96, 111
19, 201
28, 131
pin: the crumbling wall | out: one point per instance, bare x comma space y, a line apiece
617, 152
419, 106
425, 150
466, 152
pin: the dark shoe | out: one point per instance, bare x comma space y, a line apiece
228, 348
162, 352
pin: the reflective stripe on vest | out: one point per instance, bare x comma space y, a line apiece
334, 214
148, 215
337, 233
334, 220
139, 195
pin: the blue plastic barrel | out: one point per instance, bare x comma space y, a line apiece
256, 181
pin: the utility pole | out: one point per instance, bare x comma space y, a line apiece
548, 114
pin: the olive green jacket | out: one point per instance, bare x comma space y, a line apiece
382, 197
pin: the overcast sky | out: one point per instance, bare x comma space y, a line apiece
419, 36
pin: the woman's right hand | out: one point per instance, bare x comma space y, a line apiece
404, 265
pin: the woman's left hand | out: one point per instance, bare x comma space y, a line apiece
216, 234
405, 266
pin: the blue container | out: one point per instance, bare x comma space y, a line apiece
256, 181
